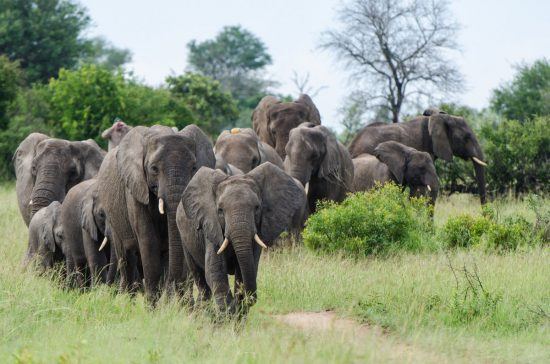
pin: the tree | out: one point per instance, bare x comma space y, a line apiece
236, 58
84, 102
210, 107
396, 50
10, 79
43, 35
101, 52
527, 95
352, 118
302, 85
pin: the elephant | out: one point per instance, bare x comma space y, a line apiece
115, 133
439, 134
224, 222
243, 149
83, 221
272, 119
45, 232
140, 186
320, 162
393, 161
46, 168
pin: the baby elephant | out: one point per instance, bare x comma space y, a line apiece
224, 222
44, 238
83, 221
393, 161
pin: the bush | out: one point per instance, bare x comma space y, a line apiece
374, 222
518, 155
488, 231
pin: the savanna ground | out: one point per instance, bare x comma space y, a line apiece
403, 308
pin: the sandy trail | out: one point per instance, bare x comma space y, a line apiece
327, 321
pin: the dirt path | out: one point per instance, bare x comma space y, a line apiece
328, 321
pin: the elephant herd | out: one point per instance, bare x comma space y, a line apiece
164, 209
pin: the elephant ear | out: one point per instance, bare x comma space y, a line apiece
129, 155
88, 156
260, 118
437, 127
22, 158
48, 233
394, 156
199, 202
330, 166
203, 146
314, 115
281, 196
87, 221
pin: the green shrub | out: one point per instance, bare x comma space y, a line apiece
488, 231
378, 221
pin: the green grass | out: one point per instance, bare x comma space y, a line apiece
426, 314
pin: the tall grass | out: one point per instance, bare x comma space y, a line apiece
417, 300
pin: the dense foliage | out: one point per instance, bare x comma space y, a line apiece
374, 222
10, 79
528, 94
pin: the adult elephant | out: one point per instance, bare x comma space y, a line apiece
140, 186
115, 133
437, 133
225, 221
320, 162
273, 119
46, 168
243, 149
393, 161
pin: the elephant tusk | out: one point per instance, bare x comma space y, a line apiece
103, 243
306, 188
161, 206
429, 188
259, 241
224, 245
30, 203
480, 162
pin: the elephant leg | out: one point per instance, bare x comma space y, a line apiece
238, 289
199, 277
216, 277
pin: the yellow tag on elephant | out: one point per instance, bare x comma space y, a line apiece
235, 131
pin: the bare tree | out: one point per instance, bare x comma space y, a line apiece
397, 50
302, 85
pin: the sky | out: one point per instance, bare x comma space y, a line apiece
495, 36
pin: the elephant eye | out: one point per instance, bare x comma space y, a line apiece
220, 211
254, 161
154, 169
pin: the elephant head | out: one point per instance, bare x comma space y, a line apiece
225, 167
273, 119
22, 161
58, 165
50, 236
410, 167
115, 133
156, 165
240, 214
243, 149
451, 135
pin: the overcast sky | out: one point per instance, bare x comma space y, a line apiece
495, 36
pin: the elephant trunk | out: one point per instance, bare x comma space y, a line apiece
177, 272
49, 187
480, 177
241, 236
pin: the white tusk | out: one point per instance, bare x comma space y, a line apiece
429, 188
30, 203
224, 245
480, 162
306, 188
103, 243
259, 241
161, 206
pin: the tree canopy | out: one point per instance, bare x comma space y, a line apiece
396, 50
527, 95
